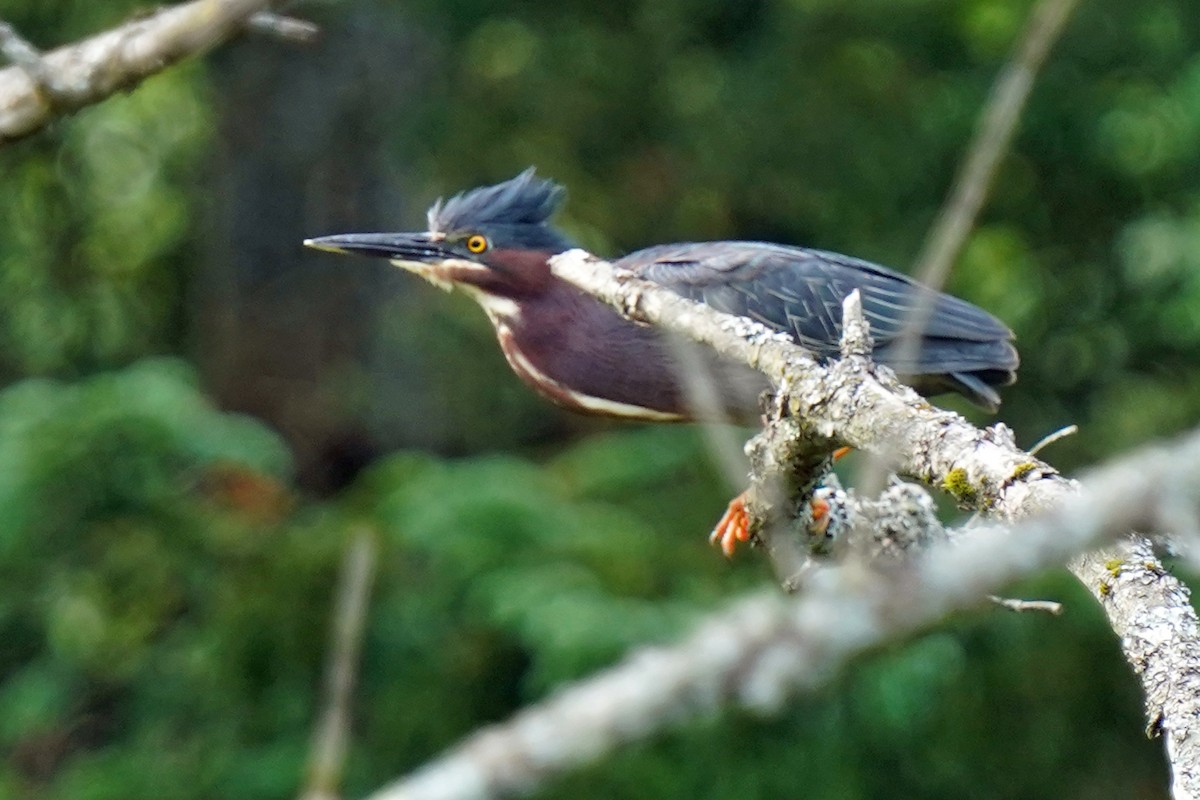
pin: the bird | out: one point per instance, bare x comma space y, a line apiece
495, 244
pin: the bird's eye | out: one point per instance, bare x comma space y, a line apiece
477, 243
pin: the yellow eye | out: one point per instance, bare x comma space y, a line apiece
477, 243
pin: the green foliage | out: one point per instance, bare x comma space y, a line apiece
572, 578
166, 603
97, 214
164, 613
140, 549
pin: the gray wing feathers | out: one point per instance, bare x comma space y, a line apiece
800, 291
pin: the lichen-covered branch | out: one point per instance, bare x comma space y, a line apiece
850, 401
764, 649
39, 88
1151, 612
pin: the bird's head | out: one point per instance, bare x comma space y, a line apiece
493, 241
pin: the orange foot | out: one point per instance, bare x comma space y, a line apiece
733, 527
820, 515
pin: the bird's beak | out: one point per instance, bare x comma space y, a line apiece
423, 254
401, 247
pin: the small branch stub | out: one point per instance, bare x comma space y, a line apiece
287, 29
1021, 606
1051, 438
856, 331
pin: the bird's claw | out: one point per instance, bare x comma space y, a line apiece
820, 516
733, 527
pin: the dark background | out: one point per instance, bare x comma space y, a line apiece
198, 413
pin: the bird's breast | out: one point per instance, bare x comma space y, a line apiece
563, 394
582, 355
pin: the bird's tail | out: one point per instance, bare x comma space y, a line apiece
973, 369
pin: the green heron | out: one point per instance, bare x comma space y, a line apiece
495, 243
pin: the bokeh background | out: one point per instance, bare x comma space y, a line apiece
197, 414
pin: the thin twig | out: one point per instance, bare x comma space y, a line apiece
694, 371
288, 29
332, 734
1051, 438
993, 135
1013, 604
997, 124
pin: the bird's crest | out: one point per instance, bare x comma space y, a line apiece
523, 200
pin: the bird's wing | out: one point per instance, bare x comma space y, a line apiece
800, 291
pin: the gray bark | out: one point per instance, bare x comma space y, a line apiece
39, 89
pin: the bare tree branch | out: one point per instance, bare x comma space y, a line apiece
37, 89
1151, 612
851, 401
765, 648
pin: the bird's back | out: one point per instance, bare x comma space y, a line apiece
800, 292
